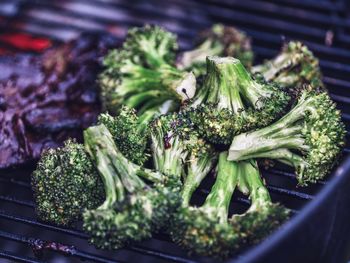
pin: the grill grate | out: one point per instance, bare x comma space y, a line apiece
323, 25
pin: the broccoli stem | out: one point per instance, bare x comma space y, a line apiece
199, 55
253, 184
220, 195
98, 149
284, 133
198, 168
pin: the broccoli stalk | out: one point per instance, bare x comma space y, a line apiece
231, 102
219, 40
206, 230
141, 74
309, 138
198, 167
294, 65
263, 216
133, 209
65, 183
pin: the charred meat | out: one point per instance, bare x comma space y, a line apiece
47, 98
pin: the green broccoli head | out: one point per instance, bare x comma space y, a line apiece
129, 134
256, 225
293, 66
142, 72
309, 138
219, 40
231, 102
198, 231
65, 183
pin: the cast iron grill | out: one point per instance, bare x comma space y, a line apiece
31, 26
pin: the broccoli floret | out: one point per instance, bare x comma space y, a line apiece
206, 230
132, 209
129, 134
309, 138
293, 66
263, 216
65, 183
231, 102
219, 40
176, 147
142, 75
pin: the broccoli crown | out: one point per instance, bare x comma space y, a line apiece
293, 66
129, 134
231, 102
263, 216
65, 183
312, 128
219, 40
141, 73
123, 222
198, 231
258, 224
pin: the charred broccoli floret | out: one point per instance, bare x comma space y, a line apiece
142, 75
206, 230
65, 183
309, 138
294, 65
129, 132
132, 209
231, 102
263, 216
219, 40
178, 150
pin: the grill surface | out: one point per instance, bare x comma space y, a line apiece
323, 25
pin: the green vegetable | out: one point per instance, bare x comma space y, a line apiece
309, 138
142, 74
231, 102
65, 183
219, 40
132, 209
295, 65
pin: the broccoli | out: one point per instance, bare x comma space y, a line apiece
231, 102
130, 133
309, 138
293, 66
263, 216
132, 209
176, 149
209, 231
65, 183
219, 40
206, 230
142, 74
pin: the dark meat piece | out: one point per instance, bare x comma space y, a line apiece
47, 98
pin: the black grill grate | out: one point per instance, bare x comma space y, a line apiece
323, 25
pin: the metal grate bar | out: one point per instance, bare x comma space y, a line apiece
33, 222
11, 256
16, 201
65, 250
